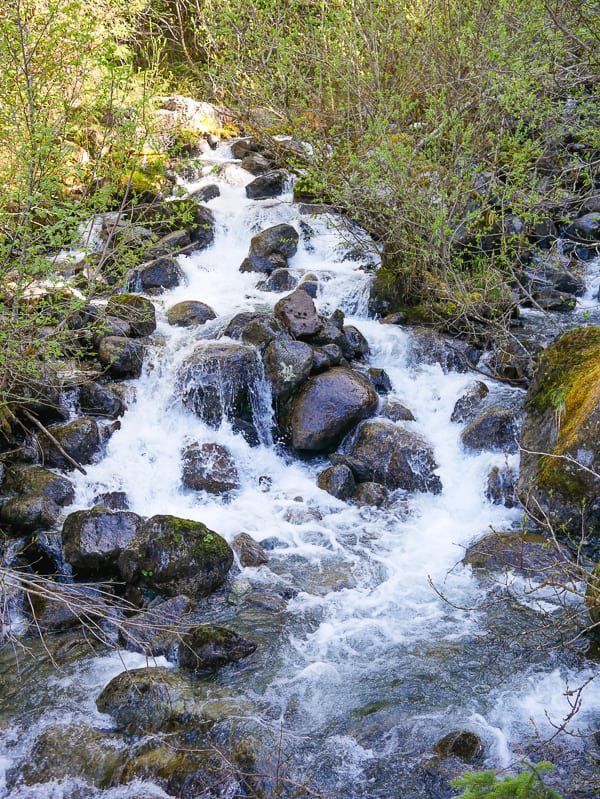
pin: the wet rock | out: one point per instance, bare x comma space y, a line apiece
238, 323
287, 365
310, 286
249, 551
122, 357
75, 751
190, 313
261, 330
155, 631
561, 430
66, 606
463, 744
467, 405
170, 243
220, 380
93, 539
328, 406
585, 228
41, 394
206, 193
549, 299
360, 471
176, 556
396, 411
337, 480
256, 164
270, 184
243, 147
369, 493
532, 555
209, 467
100, 399
298, 314
113, 500
202, 228
502, 487
328, 334
357, 343
28, 480
147, 700
279, 280
209, 647
29, 513
452, 355
496, 430
270, 250
161, 273
80, 439
137, 312
395, 457
380, 380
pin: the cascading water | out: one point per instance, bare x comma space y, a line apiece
362, 666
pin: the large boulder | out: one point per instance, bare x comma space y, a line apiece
395, 457
154, 276
93, 539
209, 467
190, 313
560, 440
29, 513
298, 315
100, 399
208, 647
287, 365
495, 430
176, 556
220, 380
270, 184
80, 439
37, 481
147, 700
121, 357
328, 406
271, 248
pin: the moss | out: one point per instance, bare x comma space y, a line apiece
568, 386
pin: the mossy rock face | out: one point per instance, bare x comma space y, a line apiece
560, 456
208, 647
27, 480
76, 750
175, 556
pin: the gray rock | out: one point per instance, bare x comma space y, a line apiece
100, 399
122, 358
466, 405
35, 480
298, 315
209, 647
337, 480
175, 556
209, 467
161, 273
287, 365
395, 457
190, 313
137, 312
29, 513
80, 439
249, 552
220, 380
328, 406
496, 430
270, 184
373, 494
396, 411
155, 631
93, 539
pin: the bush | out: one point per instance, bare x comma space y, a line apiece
486, 785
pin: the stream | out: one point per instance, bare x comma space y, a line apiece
374, 640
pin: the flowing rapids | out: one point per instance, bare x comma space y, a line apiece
374, 640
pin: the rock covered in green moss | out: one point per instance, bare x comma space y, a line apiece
560, 440
176, 556
208, 647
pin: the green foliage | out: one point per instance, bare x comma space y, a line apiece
526, 785
71, 127
427, 122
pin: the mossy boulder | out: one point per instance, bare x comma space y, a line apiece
80, 439
208, 647
37, 481
560, 440
147, 700
176, 556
